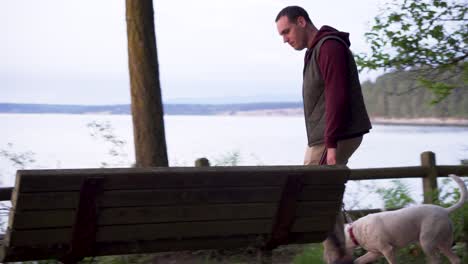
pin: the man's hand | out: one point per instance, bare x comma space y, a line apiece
331, 156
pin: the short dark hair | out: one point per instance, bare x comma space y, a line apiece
293, 12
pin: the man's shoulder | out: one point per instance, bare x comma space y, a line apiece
333, 42
327, 33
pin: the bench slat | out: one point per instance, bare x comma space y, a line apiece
69, 200
115, 233
189, 177
115, 248
162, 214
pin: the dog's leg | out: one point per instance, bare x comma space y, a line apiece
368, 258
431, 251
447, 251
389, 253
444, 244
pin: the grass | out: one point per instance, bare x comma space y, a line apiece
411, 254
312, 254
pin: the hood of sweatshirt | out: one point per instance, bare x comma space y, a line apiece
327, 31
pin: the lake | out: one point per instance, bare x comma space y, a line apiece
65, 141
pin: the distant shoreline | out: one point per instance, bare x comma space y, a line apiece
421, 121
250, 109
430, 121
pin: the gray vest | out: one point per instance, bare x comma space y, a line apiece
313, 95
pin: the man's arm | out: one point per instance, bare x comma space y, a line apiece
333, 63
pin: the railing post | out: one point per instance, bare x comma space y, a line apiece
430, 190
202, 162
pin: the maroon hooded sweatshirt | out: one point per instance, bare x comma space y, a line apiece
332, 61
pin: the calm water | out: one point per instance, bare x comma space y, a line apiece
65, 141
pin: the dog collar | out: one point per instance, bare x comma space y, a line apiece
351, 235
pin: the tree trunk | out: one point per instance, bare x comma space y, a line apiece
147, 109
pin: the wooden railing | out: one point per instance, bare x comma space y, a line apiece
428, 172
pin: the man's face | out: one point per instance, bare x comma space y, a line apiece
292, 33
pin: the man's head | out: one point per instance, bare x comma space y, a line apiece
294, 25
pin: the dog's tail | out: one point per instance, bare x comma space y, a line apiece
463, 193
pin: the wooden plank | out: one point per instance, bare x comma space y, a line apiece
387, 173
135, 247
57, 236
203, 243
64, 200
174, 177
460, 170
5, 193
44, 201
43, 219
69, 200
323, 193
163, 214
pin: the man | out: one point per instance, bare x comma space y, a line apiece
335, 114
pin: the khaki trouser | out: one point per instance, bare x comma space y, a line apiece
344, 150
313, 155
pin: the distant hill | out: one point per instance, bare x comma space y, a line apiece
249, 109
169, 109
392, 96
389, 97
62, 109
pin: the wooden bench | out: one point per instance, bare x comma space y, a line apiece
71, 214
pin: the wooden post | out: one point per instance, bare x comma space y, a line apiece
147, 110
202, 162
430, 190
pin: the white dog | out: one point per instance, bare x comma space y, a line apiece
383, 233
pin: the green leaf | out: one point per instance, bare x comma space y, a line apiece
440, 89
417, 33
394, 18
437, 32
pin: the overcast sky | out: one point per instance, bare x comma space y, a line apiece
216, 51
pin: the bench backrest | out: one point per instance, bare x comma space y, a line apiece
139, 210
